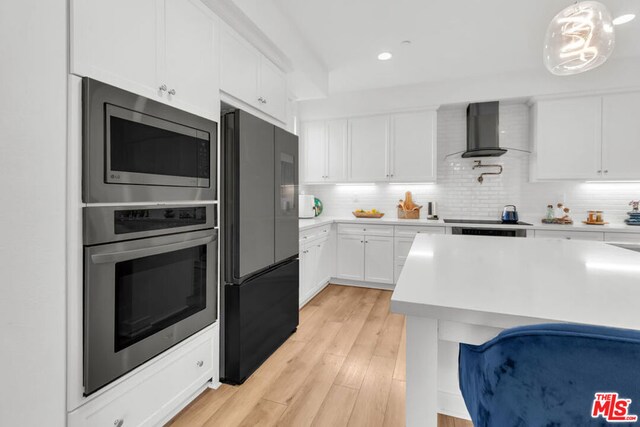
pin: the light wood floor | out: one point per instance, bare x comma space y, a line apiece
344, 366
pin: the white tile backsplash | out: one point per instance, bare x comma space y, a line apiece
459, 194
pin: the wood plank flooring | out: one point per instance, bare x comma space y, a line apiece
345, 366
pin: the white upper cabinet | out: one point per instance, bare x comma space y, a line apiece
249, 76
160, 49
568, 137
324, 151
273, 90
336, 167
369, 149
585, 138
384, 148
413, 147
621, 136
239, 67
190, 69
116, 42
314, 149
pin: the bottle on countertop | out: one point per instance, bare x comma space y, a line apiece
550, 213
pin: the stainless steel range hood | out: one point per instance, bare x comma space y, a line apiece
483, 136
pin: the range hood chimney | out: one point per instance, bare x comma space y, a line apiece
483, 134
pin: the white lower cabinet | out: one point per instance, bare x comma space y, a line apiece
317, 261
570, 235
404, 236
378, 259
350, 263
365, 257
158, 391
402, 246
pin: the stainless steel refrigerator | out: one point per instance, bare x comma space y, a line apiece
259, 223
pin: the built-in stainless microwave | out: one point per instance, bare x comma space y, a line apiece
139, 150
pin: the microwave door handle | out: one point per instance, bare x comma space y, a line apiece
113, 257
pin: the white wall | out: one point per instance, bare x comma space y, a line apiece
622, 73
458, 193
33, 48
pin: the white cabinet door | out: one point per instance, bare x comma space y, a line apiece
117, 42
239, 67
190, 69
336, 168
402, 246
314, 140
368, 149
378, 260
568, 138
324, 264
272, 90
621, 136
413, 147
309, 263
350, 262
304, 272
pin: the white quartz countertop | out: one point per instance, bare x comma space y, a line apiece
305, 224
550, 279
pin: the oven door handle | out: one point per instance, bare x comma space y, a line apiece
113, 257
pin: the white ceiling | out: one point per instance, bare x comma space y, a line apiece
451, 39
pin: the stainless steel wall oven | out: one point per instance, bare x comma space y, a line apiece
150, 281
139, 150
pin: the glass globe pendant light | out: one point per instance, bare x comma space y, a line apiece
579, 38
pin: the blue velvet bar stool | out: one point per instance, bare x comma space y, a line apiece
549, 374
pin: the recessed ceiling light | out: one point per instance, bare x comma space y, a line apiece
405, 42
623, 19
384, 56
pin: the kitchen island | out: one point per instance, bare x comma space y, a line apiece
468, 288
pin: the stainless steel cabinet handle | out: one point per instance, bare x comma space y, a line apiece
118, 423
568, 238
324, 231
366, 241
361, 241
606, 171
304, 237
600, 171
200, 363
139, 253
172, 92
163, 88
319, 246
264, 101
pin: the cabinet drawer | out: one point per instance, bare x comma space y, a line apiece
152, 400
369, 230
411, 231
402, 246
622, 237
316, 241
571, 235
314, 233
